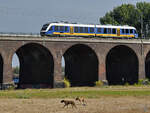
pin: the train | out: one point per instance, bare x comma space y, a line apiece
87, 30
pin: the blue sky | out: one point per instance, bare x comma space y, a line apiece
28, 16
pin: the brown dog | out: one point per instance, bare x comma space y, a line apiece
81, 100
67, 102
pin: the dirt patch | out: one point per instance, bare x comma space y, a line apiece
100, 105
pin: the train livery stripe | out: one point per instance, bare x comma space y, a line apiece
114, 35
92, 34
77, 34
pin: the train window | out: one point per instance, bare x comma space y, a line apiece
91, 29
61, 28
81, 29
105, 30
127, 31
123, 31
56, 28
114, 31
51, 28
76, 29
86, 29
66, 28
109, 31
99, 30
45, 26
131, 31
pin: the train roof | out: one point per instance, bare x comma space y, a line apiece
72, 24
90, 25
112, 26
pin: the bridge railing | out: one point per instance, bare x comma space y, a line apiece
21, 34
18, 34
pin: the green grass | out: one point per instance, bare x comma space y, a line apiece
88, 92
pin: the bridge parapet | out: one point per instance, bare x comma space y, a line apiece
70, 39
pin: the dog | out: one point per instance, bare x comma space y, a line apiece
81, 100
67, 102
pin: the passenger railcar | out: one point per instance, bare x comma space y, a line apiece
106, 31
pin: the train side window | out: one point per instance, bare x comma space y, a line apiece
86, 29
76, 29
99, 30
123, 31
109, 31
81, 29
66, 28
114, 31
105, 30
91, 29
127, 31
131, 31
61, 28
56, 28
51, 28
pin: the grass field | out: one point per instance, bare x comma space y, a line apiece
87, 92
111, 99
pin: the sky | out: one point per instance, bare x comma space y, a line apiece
28, 16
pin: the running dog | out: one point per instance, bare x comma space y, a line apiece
67, 102
81, 100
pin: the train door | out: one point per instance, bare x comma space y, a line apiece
118, 32
71, 29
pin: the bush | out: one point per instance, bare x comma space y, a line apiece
144, 82
127, 84
66, 83
99, 83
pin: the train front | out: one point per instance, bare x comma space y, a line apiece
136, 34
44, 29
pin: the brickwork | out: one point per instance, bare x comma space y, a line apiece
57, 47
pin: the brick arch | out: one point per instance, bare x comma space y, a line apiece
1, 68
22, 43
36, 66
81, 65
146, 61
122, 65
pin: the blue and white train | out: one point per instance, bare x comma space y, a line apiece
83, 30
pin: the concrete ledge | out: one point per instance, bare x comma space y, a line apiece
69, 39
59, 85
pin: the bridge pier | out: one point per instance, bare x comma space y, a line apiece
142, 67
102, 71
7, 70
58, 78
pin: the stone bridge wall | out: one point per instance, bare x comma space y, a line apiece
57, 47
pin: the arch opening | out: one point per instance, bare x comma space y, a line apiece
147, 65
81, 65
16, 68
36, 66
1, 69
121, 66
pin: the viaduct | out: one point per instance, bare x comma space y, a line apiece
87, 60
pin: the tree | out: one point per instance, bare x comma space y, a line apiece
128, 14
144, 9
16, 70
